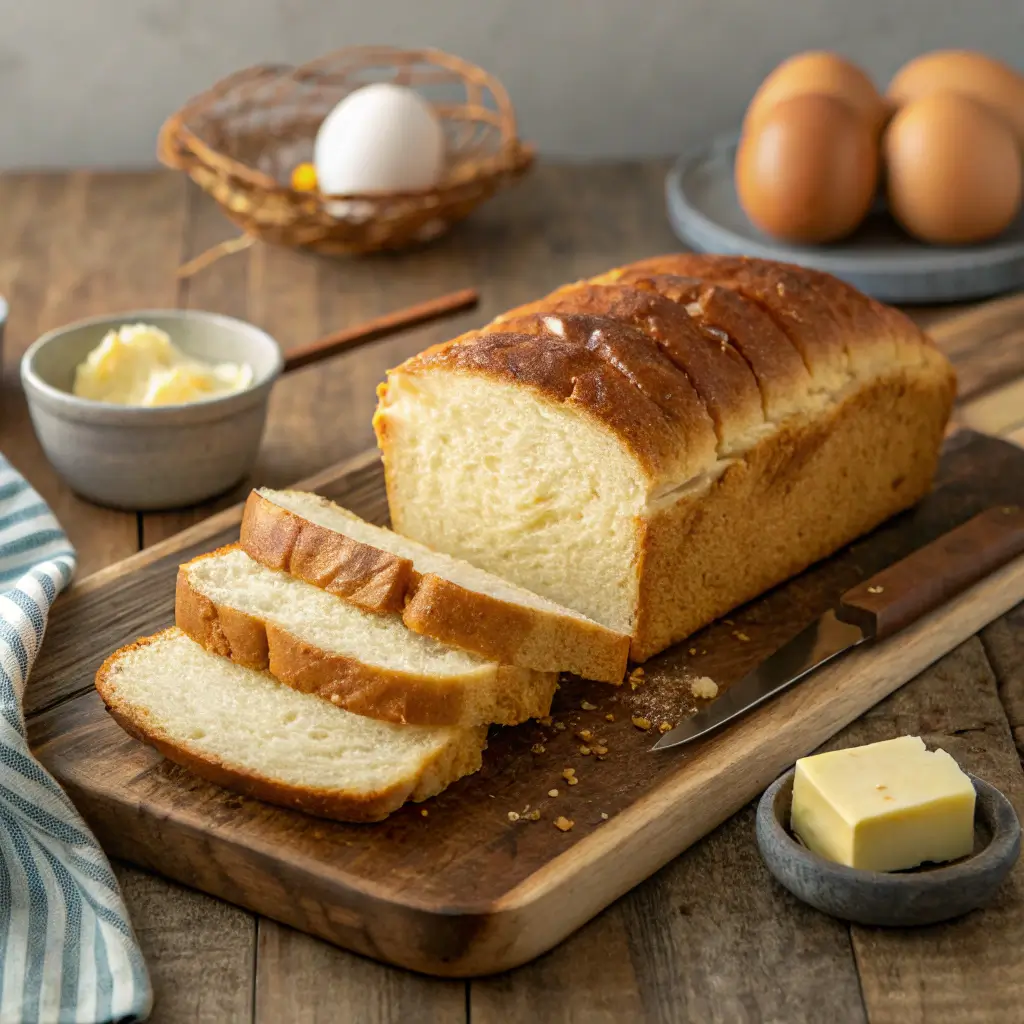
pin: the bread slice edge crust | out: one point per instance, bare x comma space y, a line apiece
499, 694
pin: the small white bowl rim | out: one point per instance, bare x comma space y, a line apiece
94, 409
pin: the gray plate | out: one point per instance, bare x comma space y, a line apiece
897, 898
879, 259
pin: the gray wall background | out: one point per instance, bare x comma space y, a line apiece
88, 82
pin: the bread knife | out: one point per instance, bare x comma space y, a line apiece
872, 610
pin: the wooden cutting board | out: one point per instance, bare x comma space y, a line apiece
454, 887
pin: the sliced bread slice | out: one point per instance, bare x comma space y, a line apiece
244, 730
365, 663
439, 596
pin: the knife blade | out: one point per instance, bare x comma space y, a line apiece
870, 611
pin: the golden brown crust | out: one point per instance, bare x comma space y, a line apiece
717, 375
365, 576
511, 634
501, 694
794, 499
225, 631
447, 765
784, 292
838, 330
728, 316
648, 347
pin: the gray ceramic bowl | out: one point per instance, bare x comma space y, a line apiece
151, 458
898, 898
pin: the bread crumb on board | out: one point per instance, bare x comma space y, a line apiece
552, 792
704, 688
563, 824
526, 815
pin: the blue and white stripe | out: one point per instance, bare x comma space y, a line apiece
67, 951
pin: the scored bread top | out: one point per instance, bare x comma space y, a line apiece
441, 597
718, 375
733, 320
831, 323
766, 341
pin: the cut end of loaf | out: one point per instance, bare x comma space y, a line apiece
244, 730
517, 485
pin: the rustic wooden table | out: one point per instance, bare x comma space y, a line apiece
710, 937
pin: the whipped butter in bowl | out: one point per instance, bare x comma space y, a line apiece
139, 364
151, 409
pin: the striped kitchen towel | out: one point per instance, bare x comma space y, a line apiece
67, 951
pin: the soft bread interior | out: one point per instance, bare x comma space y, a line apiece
425, 560
525, 488
218, 710
232, 579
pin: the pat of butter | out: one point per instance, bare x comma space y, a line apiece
139, 365
884, 807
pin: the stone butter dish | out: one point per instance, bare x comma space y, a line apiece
159, 457
898, 898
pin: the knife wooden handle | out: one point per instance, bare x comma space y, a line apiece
918, 584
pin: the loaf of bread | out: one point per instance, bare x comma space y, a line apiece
661, 443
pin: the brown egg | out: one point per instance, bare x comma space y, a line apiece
826, 74
807, 170
971, 74
953, 170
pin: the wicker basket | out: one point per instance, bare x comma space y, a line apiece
240, 141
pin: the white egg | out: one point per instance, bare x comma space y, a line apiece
380, 138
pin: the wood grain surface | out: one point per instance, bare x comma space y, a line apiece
710, 937
510, 890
